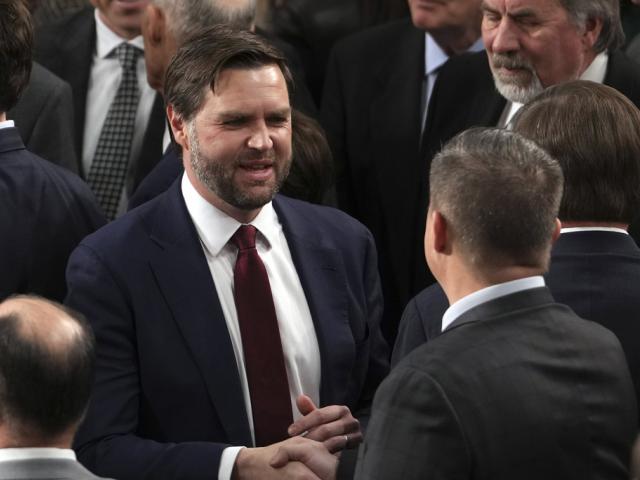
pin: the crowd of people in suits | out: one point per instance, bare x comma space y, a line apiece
198, 283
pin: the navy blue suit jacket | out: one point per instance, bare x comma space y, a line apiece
167, 397
46, 211
596, 273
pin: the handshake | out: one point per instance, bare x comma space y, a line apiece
312, 452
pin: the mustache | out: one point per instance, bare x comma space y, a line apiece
510, 60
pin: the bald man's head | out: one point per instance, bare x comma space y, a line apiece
46, 369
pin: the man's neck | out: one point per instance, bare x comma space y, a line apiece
11, 439
3, 116
466, 282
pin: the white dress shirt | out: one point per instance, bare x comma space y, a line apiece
434, 58
297, 333
595, 72
486, 294
7, 124
593, 229
104, 81
11, 454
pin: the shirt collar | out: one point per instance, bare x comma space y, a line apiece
7, 124
593, 229
9, 454
598, 68
487, 294
215, 228
435, 57
107, 39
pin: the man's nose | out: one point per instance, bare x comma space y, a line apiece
260, 138
505, 37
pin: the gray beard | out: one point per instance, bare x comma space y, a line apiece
516, 93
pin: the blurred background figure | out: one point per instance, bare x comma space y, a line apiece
46, 11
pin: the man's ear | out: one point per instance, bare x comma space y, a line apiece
154, 25
592, 30
178, 127
440, 232
556, 231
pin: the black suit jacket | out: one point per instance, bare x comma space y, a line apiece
46, 211
44, 117
371, 113
516, 388
167, 397
66, 47
596, 273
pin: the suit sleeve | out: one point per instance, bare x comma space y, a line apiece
378, 365
107, 443
414, 433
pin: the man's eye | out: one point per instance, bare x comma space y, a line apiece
234, 122
491, 18
277, 120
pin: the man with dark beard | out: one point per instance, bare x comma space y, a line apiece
223, 312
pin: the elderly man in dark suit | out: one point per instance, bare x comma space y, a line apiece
222, 313
46, 210
531, 45
119, 119
517, 385
46, 367
374, 107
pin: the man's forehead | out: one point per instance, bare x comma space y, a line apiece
521, 6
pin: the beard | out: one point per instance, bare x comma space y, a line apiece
520, 88
219, 177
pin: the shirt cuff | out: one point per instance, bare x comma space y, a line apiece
227, 462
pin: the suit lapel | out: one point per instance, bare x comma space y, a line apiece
185, 281
321, 273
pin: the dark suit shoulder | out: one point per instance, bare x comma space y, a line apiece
36, 174
159, 179
319, 221
623, 74
501, 338
370, 44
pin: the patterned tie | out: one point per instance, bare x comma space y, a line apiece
263, 357
109, 168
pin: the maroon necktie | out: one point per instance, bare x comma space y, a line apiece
263, 357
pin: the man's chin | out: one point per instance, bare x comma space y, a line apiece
517, 93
